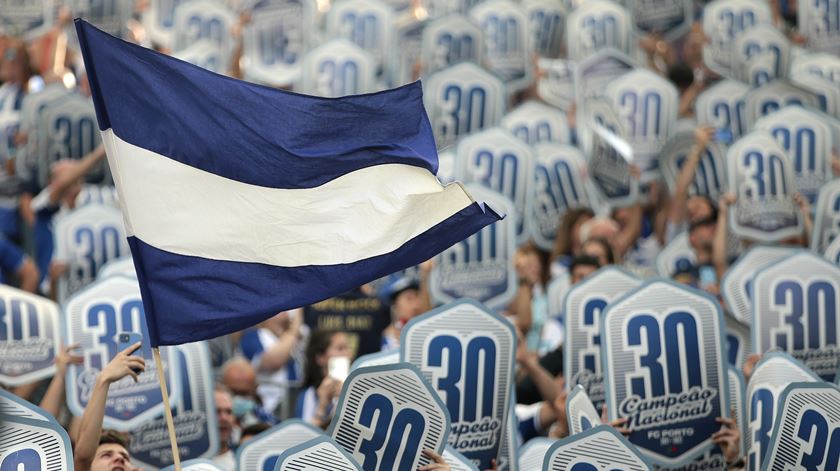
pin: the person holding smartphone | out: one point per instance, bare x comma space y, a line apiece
108, 451
327, 365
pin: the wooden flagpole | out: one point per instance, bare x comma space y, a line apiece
170, 423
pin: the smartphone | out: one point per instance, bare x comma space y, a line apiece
707, 276
338, 368
127, 339
723, 135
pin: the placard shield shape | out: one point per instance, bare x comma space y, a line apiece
199, 20
819, 22
337, 68
609, 155
533, 452
562, 183
580, 411
29, 337
761, 55
534, 123
496, 159
670, 18
665, 369
556, 82
275, 40
761, 176
262, 452
321, 453
34, 444
475, 380
584, 306
367, 23
547, 23
809, 137
386, 416
598, 25
159, 20
457, 461
507, 41
93, 318
591, 76
773, 373
479, 266
461, 100
827, 92
737, 283
13, 406
723, 22
827, 217
796, 309
710, 176
600, 447
376, 359
823, 65
121, 266
722, 106
676, 257
450, 40
196, 425
773, 96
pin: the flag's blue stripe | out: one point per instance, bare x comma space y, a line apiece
283, 139
191, 298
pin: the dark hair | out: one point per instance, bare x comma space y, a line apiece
255, 429
584, 260
604, 245
563, 236
543, 257
112, 436
319, 342
681, 75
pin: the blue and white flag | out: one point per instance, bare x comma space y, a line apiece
241, 201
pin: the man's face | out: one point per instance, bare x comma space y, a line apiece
407, 305
224, 413
241, 381
582, 271
111, 457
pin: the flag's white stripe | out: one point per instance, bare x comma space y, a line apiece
362, 214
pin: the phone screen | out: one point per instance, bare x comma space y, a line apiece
338, 368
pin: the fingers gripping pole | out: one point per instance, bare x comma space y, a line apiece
170, 424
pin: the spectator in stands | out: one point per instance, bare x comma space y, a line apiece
15, 265
408, 297
240, 378
567, 241
227, 422
252, 431
316, 404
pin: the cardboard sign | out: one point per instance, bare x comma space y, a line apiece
532, 454
721, 106
275, 40
34, 444
819, 23
196, 427
337, 68
723, 22
497, 160
806, 433
662, 348
534, 122
375, 359
120, 266
159, 19
769, 379
561, 177
198, 20
195, 465
796, 309
599, 448
547, 22
479, 266
808, 137
262, 452
404, 59
670, 18
823, 65
676, 257
710, 176
584, 306
592, 75
556, 82
773, 96
448, 41
598, 25
832, 252
321, 453
463, 99
506, 45
387, 415
474, 380
738, 340
737, 283
556, 292
93, 318
609, 155
827, 217
368, 24
457, 461
827, 92
29, 337
580, 412
86, 239
761, 176
509, 451
762, 42
12, 405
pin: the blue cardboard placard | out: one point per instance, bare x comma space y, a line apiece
92, 318
737, 283
474, 380
457, 461
826, 217
14, 406
676, 257
387, 415
34, 444
662, 348
710, 176
321, 453
375, 359
723, 21
584, 307
818, 22
797, 308
275, 40
534, 122
337, 68
762, 54
29, 337
531, 454
450, 40
262, 452
721, 106
770, 377
598, 25
806, 433
600, 448
507, 49
580, 411
773, 96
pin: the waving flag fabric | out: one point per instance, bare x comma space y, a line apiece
241, 201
